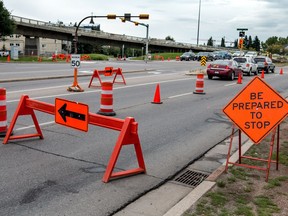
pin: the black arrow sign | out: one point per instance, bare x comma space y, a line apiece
64, 113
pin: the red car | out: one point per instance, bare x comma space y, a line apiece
224, 69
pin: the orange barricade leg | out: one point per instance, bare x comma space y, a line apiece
95, 74
20, 111
119, 72
199, 84
106, 106
75, 87
125, 138
3, 113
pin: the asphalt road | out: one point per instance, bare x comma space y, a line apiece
61, 174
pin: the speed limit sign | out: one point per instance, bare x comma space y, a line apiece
75, 61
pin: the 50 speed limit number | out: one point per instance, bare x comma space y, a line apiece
75, 61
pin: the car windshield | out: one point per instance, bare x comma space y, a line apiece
222, 62
240, 60
259, 59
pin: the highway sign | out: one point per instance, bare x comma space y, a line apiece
257, 109
71, 114
75, 60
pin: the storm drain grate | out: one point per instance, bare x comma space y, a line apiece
191, 178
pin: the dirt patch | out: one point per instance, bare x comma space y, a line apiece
244, 191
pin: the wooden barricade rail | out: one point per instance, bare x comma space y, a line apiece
128, 128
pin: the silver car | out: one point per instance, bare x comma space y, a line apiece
248, 65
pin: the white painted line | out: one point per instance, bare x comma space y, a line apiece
180, 95
98, 90
32, 126
230, 84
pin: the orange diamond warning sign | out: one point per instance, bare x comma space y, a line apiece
257, 109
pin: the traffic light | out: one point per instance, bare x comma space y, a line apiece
123, 19
127, 16
144, 16
240, 44
111, 16
136, 23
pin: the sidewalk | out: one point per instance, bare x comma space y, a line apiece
175, 197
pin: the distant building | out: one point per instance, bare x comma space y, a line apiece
34, 46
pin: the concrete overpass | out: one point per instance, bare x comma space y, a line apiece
35, 28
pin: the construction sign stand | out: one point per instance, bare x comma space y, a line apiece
75, 86
128, 129
240, 156
108, 71
75, 63
257, 110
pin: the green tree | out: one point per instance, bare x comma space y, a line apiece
256, 44
271, 40
7, 25
223, 42
170, 38
236, 43
249, 42
210, 42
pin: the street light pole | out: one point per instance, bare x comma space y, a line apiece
198, 23
147, 41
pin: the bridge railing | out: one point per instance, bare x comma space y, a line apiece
82, 31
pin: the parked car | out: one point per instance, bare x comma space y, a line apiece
221, 55
209, 56
238, 53
187, 56
227, 68
248, 65
251, 54
264, 63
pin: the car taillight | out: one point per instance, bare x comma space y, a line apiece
247, 65
227, 67
209, 66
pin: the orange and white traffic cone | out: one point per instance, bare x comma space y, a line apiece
199, 84
157, 98
281, 71
106, 106
239, 78
262, 74
3, 113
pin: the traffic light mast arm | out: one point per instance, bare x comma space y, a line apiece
109, 16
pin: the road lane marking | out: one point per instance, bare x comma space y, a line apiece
180, 95
92, 91
33, 126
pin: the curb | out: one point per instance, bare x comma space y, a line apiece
181, 207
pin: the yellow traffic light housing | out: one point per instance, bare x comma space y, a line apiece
240, 44
136, 23
123, 19
111, 16
144, 16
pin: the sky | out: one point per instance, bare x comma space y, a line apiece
177, 19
